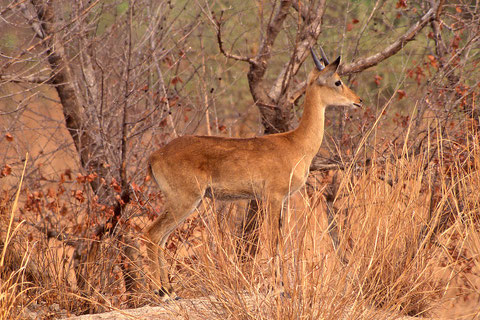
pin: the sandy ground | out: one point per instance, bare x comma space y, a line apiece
201, 309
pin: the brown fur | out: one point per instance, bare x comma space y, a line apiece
268, 167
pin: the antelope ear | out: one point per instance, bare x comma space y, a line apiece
331, 68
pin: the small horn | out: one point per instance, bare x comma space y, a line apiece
324, 56
319, 65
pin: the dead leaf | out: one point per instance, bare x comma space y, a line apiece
433, 61
401, 4
7, 170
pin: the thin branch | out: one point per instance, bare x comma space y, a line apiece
297, 92
440, 46
12, 5
399, 44
306, 39
272, 119
373, 60
378, 3
27, 79
302, 9
218, 24
257, 71
123, 150
67, 239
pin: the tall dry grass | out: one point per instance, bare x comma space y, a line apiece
408, 232
16, 281
408, 243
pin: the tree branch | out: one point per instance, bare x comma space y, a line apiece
60, 70
440, 47
399, 44
306, 39
272, 119
373, 60
257, 70
218, 24
27, 79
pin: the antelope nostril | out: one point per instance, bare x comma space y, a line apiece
361, 100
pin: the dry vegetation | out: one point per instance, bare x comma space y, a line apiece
407, 246
387, 226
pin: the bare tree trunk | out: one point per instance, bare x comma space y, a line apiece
84, 143
61, 79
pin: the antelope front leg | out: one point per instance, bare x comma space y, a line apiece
275, 209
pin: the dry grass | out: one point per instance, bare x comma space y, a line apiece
408, 245
408, 232
15, 276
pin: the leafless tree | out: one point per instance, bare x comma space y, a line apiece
117, 71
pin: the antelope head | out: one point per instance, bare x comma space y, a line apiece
325, 82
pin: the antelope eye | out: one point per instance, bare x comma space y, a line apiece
338, 83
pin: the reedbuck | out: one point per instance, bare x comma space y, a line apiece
269, 167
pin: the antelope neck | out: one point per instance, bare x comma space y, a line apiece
309, 133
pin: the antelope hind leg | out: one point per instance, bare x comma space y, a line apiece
155, 249
157, 234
